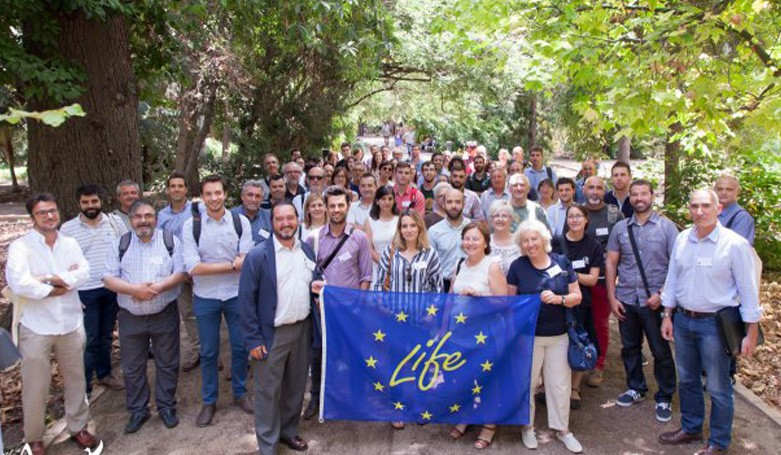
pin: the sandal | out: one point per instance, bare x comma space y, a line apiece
486, 437
458, 431
574, 399
397, 425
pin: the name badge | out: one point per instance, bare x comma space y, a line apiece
553, 271
310, 265
405, 204
155, 260
419, 266
345, 256
579, 264
264, 233
602, 231
705, 262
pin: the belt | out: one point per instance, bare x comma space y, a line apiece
695, 314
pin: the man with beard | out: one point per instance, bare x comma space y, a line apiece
620, 177
128, 192
638, 253
440, 173
145, 269
276, 185
344, 259
497, 191
429, 174
524, 208
44, 266
259, 219
215, 242
437, 213
602, 217
445, 235
95, 232
557, 213
407, 196
457, 179
479, 180
277, 308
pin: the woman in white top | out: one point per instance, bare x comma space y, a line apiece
501, 216
314, 217
478, 275
546, 193
380, 227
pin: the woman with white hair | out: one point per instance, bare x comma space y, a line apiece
503, 247
551, 276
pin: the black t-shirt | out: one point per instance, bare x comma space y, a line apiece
556, 277
583, 255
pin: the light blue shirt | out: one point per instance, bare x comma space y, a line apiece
261, 224
535, 176
489, 197
742, 223
709, 274
218, 243
173, 221
446, 240
557, 216
146, 263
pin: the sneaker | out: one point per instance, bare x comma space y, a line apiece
529, 438
570, 442
595, 378
629, 398
664, 411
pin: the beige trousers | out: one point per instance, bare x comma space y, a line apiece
550, 358
36, 377
191, 343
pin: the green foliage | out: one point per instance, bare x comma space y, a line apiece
53, 117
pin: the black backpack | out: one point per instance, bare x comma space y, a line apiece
194, 207
124, 243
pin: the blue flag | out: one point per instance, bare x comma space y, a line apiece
426, 357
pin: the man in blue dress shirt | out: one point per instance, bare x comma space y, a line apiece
732, 215
259, 219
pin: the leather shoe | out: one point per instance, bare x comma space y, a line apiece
295, 443
205, 416
312, 408
711, 450
679, 437
84, 439
37, 448
245, 403
136, 421
168, 416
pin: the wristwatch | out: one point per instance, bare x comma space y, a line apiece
667, 313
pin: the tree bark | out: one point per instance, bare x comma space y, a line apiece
532, 132
672, 175
7, 140
624, 148
226, 133
104, 146
195, 121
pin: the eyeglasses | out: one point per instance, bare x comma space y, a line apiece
315, 177
45, 212
575, 216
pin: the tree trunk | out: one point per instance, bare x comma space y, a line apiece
226, 133
672, 176
624, 147
104, 146
195, 121
7, 140
532, 132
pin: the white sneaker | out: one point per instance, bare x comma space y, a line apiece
570, 442
529, 438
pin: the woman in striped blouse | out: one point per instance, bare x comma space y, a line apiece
409, 264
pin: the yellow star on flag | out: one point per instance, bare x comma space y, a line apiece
486, 365
460, 318
371, 362
379, 335
455, 408
477, 389
432, 310
425, 415
398, 405
401, 316
480, 337
379, 387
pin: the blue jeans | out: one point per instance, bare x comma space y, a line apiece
208, 313
100, 314
698, 348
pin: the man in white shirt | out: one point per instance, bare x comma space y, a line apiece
359, 210
95, 232
557, 213
45, 268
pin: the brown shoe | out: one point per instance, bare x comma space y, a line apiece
112, 382
37, 448
245, 403
206, 415
295, 443
679, 437
711, 450
595, 379
84, 439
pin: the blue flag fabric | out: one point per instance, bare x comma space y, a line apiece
426, 357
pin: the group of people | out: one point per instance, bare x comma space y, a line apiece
387, 221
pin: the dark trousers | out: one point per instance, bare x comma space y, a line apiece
100, 314
585, 318
136, 333
639, 320
280, 380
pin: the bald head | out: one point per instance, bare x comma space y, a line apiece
594, 190
454, 204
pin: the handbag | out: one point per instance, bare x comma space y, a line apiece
733, 330
9, 354
581, 354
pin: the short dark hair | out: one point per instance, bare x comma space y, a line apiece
282, 203
334, 191
88, 189
426, 163
344, 144
176, 175
381, 192
275, 177
535, 148
387, 163
436, 154
36, 198
214, 178
548, 182
642, 182
618, 164
456, 162
484, 230
367, 175
139, 203
565, 181
583, 211
402, 165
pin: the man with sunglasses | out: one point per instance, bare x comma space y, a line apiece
315, 183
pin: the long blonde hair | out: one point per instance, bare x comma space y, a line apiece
398, 241
309, 200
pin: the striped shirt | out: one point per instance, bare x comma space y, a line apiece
95, 243
419, 276
146, 263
